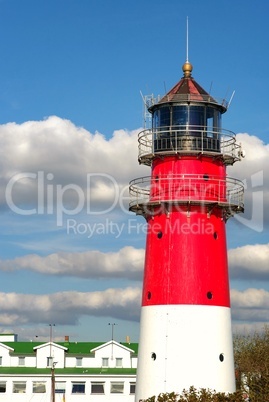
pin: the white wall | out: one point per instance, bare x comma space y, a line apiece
106, 397
47, 350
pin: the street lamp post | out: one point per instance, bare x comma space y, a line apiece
112, 329
53, 382
51, 325
52, 366
112, 337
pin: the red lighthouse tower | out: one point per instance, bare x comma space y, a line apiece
185, 328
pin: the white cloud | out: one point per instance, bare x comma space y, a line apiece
250, 299
64, 155
250, 306
249, 262
253, 171
255, 149
126, 263
66, 308
246, 262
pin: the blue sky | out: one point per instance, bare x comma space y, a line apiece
71, 73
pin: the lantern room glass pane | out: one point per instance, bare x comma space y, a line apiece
213, 121
188, 115
180, 115
161, 117
196, 116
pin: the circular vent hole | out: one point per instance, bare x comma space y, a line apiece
209, 295
160, 235
221, 357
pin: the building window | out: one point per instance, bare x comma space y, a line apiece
19, 387
118, 362
79, 362
2, 386
21, 361
116, 387
39, 387
105, 362
132, 387
97, 388
60, 387
78, 387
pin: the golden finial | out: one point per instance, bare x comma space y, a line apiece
187, 69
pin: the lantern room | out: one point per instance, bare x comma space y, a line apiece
187, 118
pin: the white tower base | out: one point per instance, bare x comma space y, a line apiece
190, 345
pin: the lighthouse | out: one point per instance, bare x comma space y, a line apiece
185, 326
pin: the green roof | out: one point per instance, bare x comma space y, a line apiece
133, 346
23, 347
77, 348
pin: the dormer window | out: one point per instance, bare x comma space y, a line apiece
105, 362
21, 361
119, 362
49, 361
79, 362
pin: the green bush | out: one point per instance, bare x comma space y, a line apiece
194, 395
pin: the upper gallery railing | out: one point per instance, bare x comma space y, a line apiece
188, 140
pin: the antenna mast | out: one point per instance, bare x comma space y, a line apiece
187, 41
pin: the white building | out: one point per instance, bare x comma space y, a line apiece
79, 371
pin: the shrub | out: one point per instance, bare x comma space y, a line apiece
194, 395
